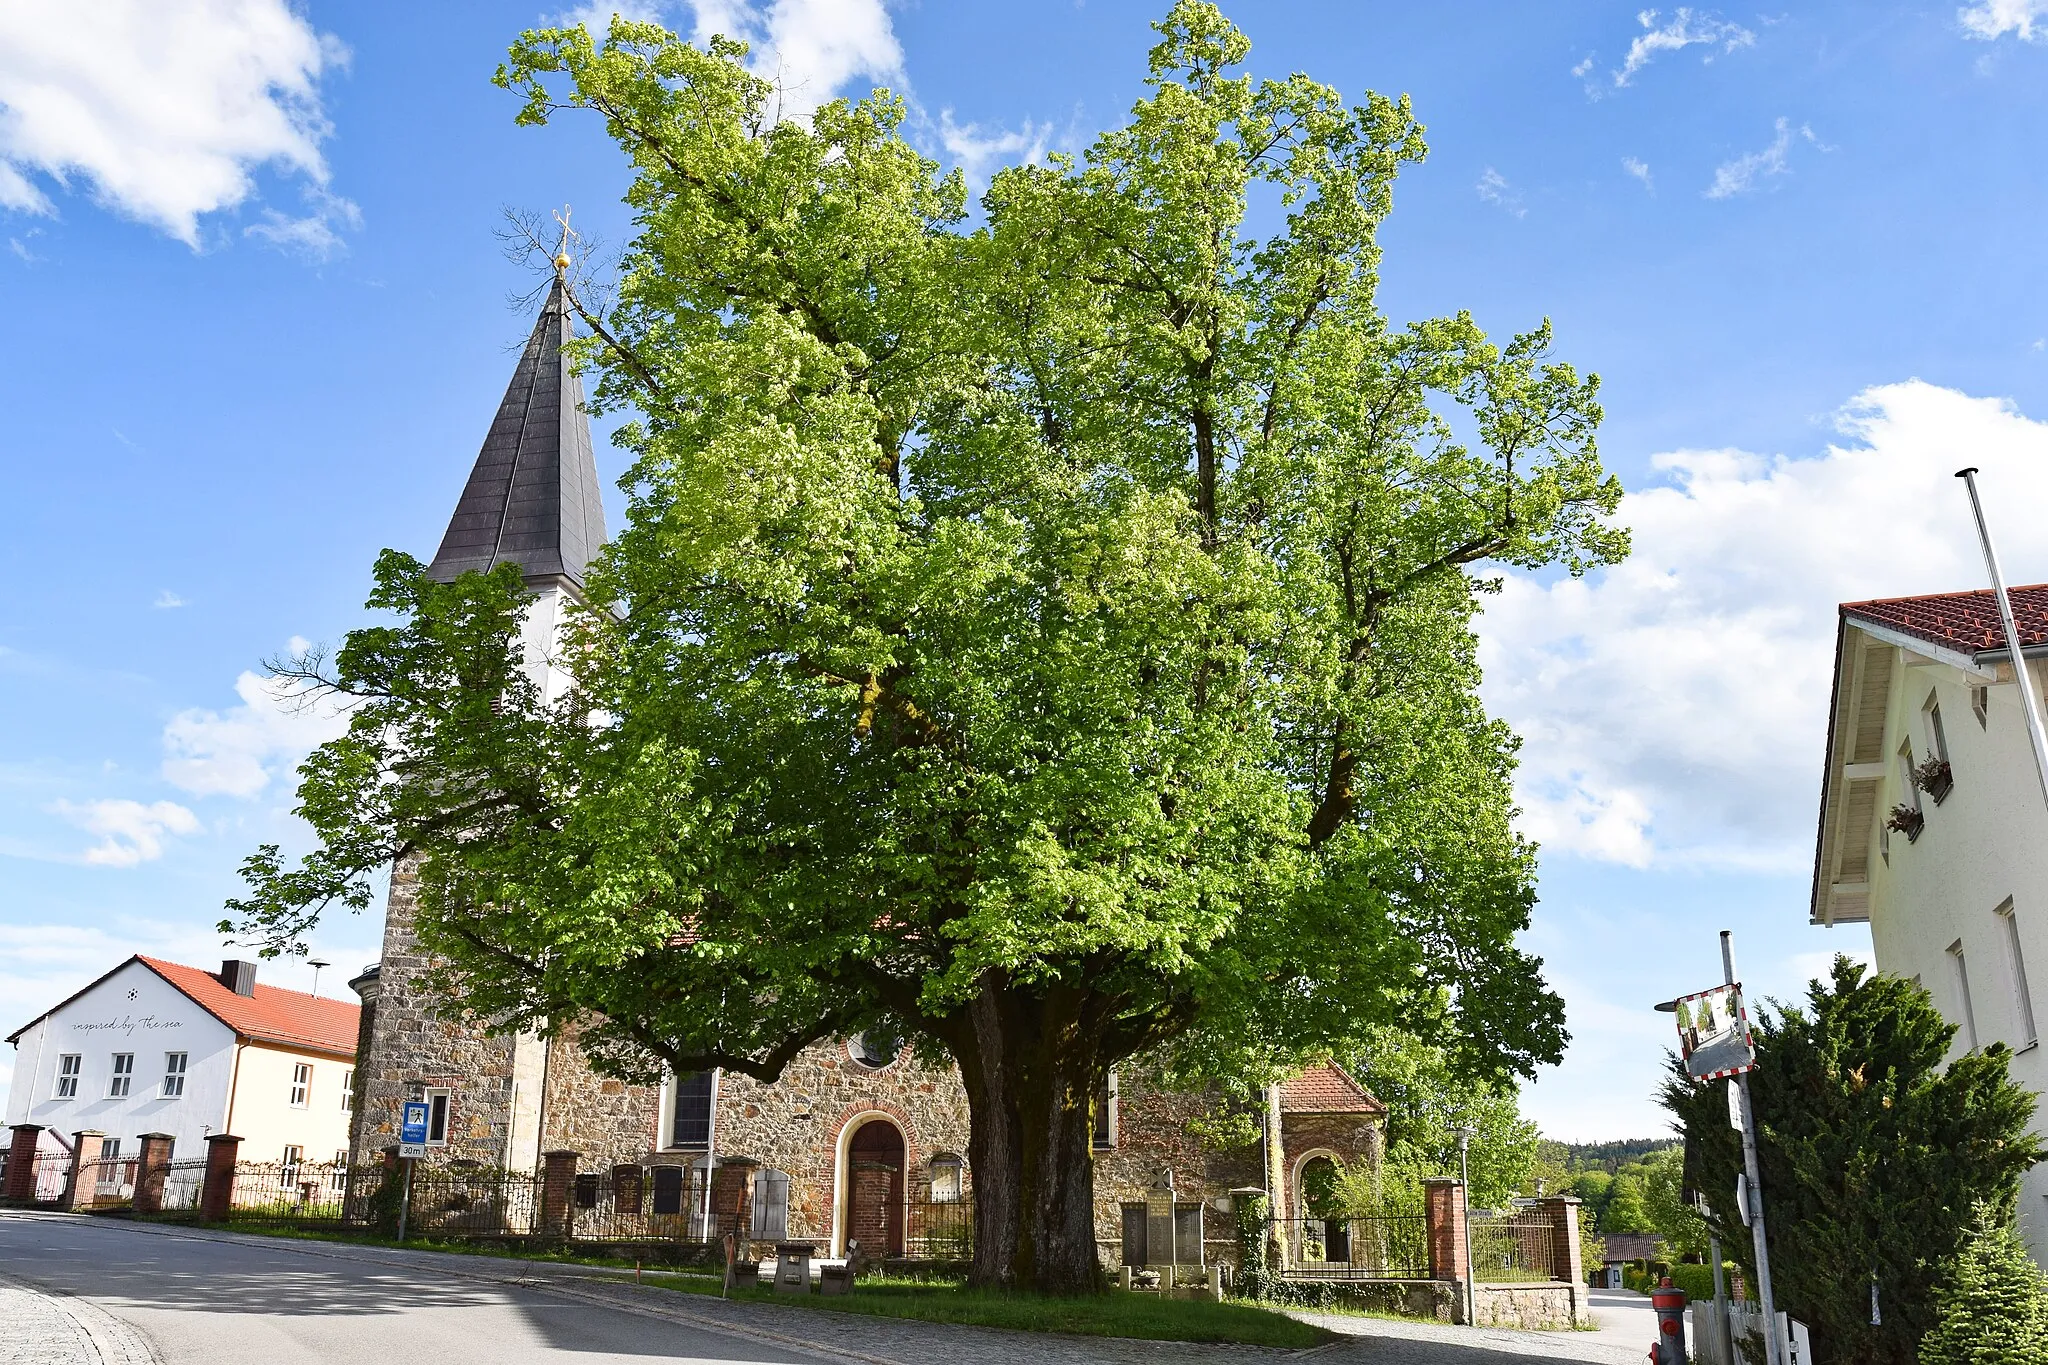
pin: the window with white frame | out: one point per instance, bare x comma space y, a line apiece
68, 1068
302, 1085
1980, 706
1937, 738
123, 1075
2016, 966
348, 1091
292, 1157
110, 1149
174, 1075
690, 1120
1912, 788
337, 1178
437, 1116
1960, 970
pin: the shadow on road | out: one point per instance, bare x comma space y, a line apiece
327, 1302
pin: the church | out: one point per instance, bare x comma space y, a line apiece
857, 1132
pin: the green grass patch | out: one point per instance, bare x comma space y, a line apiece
1117, 1313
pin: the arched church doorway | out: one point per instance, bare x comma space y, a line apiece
874, 1188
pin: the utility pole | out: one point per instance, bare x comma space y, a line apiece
2028, 701
1774, 1350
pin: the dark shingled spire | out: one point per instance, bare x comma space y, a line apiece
532, 499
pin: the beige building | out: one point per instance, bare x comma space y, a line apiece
1932, 824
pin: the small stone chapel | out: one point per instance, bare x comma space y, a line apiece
855, 1129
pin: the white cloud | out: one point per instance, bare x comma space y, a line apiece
809, 48
1686, 29
1494, 189
1673, 707
1640, 170
980, 151
129, 831
236, 752
1992, 19
1740, 175
167, 600
166, 109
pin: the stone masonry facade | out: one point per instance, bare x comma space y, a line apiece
513, 1098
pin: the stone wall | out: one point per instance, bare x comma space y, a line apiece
1533, 1307
800, 1124
412, 1045
608, 1121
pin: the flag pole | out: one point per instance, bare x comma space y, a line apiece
2028, 701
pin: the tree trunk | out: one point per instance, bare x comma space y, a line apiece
1030, 1069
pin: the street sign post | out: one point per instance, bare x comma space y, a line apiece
412, 1144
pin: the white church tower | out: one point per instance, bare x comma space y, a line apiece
533, 500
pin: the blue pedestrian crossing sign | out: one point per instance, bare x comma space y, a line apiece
412, 1127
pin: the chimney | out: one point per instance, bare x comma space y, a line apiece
238, 976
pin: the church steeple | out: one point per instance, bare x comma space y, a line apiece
532, 498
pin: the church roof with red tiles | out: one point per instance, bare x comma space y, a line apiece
1966, 622
1326, 1089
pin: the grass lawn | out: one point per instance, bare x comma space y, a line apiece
1114, 1314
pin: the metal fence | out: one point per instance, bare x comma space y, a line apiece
51, 1178
642, 1204
1380, 1247
939, 1230
304, 1194
1511, 1248
111, 1180
182, 1182
455, 1201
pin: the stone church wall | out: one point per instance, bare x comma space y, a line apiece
799, 1125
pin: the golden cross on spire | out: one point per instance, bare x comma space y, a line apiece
562, 250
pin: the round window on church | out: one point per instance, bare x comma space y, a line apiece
878, 1046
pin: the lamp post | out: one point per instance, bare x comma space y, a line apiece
1465, 1183
316, 964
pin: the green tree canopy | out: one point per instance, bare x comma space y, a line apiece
1873, 1153
1051, 634
1429, 1098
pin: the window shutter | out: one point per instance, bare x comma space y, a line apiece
771, 1206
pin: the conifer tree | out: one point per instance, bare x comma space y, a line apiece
1992, 1305
1873, 1154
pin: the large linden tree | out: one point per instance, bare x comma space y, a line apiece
1047, 630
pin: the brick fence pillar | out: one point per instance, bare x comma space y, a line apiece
557, 1185
732, 1198
1444, 1209
1566, 1261
84, 1186
21, 1161
217, 1194
150, 1169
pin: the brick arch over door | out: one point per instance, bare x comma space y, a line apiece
835, 1167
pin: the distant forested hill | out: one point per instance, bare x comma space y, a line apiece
1600, 1156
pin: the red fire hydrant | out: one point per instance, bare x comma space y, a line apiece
1670, 1306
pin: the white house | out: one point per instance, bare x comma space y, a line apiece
156, 1047
1932, 823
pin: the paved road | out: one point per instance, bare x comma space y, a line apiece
115, 1293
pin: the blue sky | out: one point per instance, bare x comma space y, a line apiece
259, 322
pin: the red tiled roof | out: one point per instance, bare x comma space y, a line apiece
272, 1015
1326, 1089
1963, 621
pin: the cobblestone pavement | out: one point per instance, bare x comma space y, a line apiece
223, 1298
44, 1329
